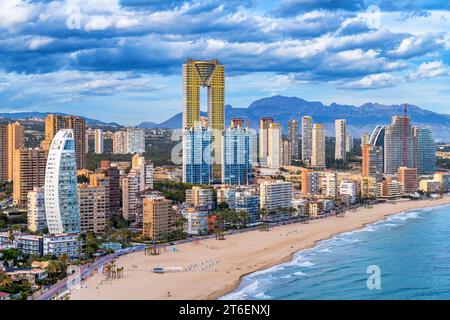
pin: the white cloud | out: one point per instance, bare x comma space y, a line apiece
13, 12
427, 70
373, 81
39, 42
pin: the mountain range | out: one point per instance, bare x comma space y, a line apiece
360, 119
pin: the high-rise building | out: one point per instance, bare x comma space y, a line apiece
237, 123
135, 140
348, 142
286, 154
275, 195
398, 145
110, 176
307, 127
293, 137
424, 151
318, 146
157, 216
210, 74
310, 182
93, 203
15, 141
98, 141
274, 146
197, 155
3, 153
37, 221
56, 122
340, 133
227, 194
200, 197
365, 139
372, 161
130, 190
61, 199
329, 184
120, 142
377, 139
264, 125
408, 179
29, 172
237, 156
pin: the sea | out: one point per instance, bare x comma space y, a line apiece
406, 256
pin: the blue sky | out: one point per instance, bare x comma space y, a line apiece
120, 60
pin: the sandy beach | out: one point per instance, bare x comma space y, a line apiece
225, 262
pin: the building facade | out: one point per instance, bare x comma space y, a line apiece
318, 146
307, 126
98, 141
340, 142
293, 137
37, 221
237, 156
197, 156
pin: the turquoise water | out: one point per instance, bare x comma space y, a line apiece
411, 249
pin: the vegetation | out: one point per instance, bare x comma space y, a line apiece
175, 191
443, 163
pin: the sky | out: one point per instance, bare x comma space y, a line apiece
121, 60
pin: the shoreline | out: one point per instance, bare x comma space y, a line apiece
290, 257
243, 254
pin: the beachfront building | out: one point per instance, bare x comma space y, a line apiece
98, 141
157, 217
424, 151
429, 186
37, 221
391, 188
310, 182
196, 221
275, 194
307, 126
93, 203
348, 191
329, 184
237, 156
443, 178
64, 244
61, 200
318, 146
372, 161
197, 155
398, 145
369, 187
293, 138
248, 202
200, 197
227, 194
340, 142
408, 178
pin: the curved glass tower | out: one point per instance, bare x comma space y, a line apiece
61, 199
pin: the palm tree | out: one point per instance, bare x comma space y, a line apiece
5, 280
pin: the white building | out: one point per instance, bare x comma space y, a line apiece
196, 221
306, 138
130, 190
274, 155
329, 184
120, 142
340, 133
318, 146
135, 140
61, 199
348, 190
37, 221
276, 194
98, 141
58, 245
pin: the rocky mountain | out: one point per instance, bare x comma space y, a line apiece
360, 119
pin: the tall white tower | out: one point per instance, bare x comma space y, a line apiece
341, 135
61, 199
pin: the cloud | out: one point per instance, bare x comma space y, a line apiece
417, 45
373, 81
428, 70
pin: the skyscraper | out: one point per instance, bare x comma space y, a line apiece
377, 139
348, 142
306, 138
93, 203
210, 74
372, 161
264, 124
56, 122
120, 142
424, 150
286, 154
274, 146
318, 146
130, 190
340, 133
15, 141
237, 156
365, 138
408, 178
29, 172
293, 137
98, 141
197, 155
135, 140
3, 153
61, 198
398, 145
157, 217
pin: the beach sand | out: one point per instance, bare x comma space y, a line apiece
238, 255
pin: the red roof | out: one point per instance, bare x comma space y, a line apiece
4, 294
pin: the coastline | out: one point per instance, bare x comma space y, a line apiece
243, 253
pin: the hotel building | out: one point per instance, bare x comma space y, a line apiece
275, 195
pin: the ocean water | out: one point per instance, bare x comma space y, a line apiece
411, 250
